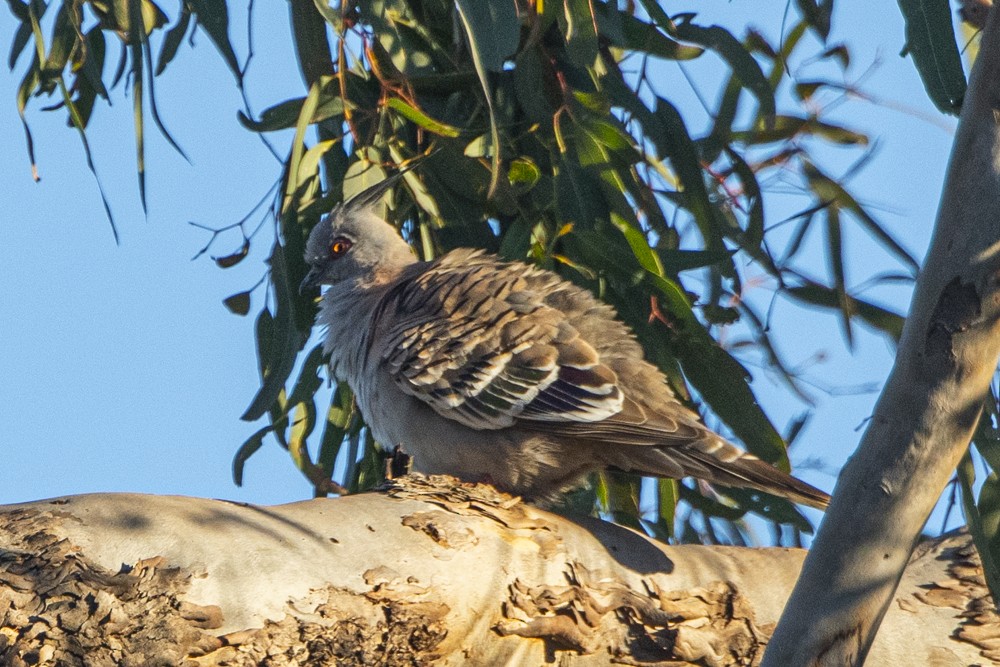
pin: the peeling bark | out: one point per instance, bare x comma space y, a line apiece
423, 572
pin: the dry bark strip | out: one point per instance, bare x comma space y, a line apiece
424, 572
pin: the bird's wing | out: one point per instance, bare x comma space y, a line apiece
475, 339
493, 344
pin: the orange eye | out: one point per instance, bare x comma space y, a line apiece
339, 247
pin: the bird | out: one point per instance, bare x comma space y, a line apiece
501, 371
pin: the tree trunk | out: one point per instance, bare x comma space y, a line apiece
927, 412
423, 572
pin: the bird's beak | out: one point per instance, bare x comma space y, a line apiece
311, 281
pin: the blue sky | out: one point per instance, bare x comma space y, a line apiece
120, 370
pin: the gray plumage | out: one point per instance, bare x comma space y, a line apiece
500, 371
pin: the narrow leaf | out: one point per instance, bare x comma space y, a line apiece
628, 32
873, 315
581, 32
213, 17
817, 13
930, 41
287, 339
987, 554
485, 47
492, 29
173, 39
744, 66
421, 119
835, 259
248, 449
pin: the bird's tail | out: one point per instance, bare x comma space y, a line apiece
720, 462
749, 471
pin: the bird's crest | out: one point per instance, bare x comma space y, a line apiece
373, 194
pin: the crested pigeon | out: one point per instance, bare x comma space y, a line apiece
500, 371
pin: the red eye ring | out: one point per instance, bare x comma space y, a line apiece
339, 247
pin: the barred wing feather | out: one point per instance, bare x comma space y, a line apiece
474, 338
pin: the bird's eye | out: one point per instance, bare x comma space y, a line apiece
339, 247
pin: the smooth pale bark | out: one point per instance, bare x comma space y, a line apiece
424, 573
928, 410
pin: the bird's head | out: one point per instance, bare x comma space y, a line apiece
354, 244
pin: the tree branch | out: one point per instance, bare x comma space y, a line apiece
426, 572
927, 413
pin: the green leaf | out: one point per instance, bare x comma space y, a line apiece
21, 38
668, 496
578, 197
286, 340
340, 418
875, 316
608, 132
676, 261
619, 493
330, 15
930, 41
488, 46
744, 67
136, 37
303, 422
173, 39
63, 40
580, 31
524, 172
32, 79
987, 437
640, 246
752, 241
676, 143
817, 13
627, 32
308, 178
213, 17
424, 200
492, 29
309, 380
238, 304
400, 48
248, 449
796, 426
835, 259
92, 69
830, 191
989, 514
984, 529
721, 380
286, 114
709, 506
421, 119
840, 53
153, 108
786, 127
724, 384
360, 176
298, 148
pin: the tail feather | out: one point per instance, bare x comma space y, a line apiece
753, 473
719, 463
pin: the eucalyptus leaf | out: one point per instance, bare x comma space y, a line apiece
930, 41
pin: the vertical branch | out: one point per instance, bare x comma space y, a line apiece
928, 410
